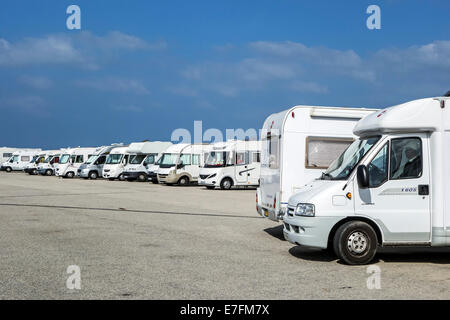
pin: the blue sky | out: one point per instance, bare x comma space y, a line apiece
140, 69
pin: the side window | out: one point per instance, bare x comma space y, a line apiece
25, 159
274, 151
186, 159
378, 167
150, 159
72, 158
242, 158
406, 158
256, 157
322, 151
79, 159
196, 159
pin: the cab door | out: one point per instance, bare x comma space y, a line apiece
242, 167
398, 197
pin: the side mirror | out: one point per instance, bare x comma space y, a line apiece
362, 175
180, 165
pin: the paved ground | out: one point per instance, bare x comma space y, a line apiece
139, 240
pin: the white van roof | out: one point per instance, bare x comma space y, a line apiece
119, 150
418, 115
236, 144
149, 147
176, 148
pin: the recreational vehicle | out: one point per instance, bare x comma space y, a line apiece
71, 160
19, 160
180, 163
47, 168
232, 164
297, 145
143, 154
6, 153
93, 167
115, 162
32, 166
390, 187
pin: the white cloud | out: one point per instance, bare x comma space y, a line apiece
114, 84
83, 48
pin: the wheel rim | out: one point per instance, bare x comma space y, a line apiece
93, 175
357, 242
182, 181
141, 178
227, 184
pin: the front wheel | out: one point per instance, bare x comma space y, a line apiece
155, 180
48, 172
70, 175
142, 177
355, 242
8, 169
226, 184
183, 181
121, 177
93, 175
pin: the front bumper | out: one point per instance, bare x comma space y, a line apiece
309, 231
168, 178
29, 170
43, 171
2, 168
132, 174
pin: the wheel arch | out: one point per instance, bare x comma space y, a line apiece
227, 177
370, 222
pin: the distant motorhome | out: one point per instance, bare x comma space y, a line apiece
71, 160
19, 160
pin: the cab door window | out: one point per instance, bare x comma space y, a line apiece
101, 160
406, 158
378, 167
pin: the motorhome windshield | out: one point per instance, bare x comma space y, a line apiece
64, 158
218, 159
47, 160
137, 159
35, 158
91, 159
342, 167
114, 158
168, 160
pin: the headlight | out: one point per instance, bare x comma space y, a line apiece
212, 176
172, 171
305, 209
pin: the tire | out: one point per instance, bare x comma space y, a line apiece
210, 187
70, 175
183, 181
226, 184
48, 172
121, 177
155, 180
8, 169
111, 179
35, 172
93, 175
355, 242
142, 177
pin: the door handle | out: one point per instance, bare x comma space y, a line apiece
424, 190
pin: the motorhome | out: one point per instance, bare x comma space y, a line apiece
93, 167
230, 164
389, 188
19, 160
6, 153
115, 162
297, 145
180, 163
143, 154
32, 166
71, 160
47, 168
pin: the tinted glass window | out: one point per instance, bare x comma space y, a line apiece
378, 168
406, 158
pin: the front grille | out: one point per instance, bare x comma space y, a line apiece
107, 170
162, 175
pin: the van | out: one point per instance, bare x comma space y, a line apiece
180, 163
19, 160
115, 162
390, 187
32, 166
230, 164
71, 160
6, 153
93, 167
143, 154
47, 168
297, 145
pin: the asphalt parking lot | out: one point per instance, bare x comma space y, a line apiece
142, 241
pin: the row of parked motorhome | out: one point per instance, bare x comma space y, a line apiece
345, 179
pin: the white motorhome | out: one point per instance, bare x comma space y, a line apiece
389, 188
19, 160
180, 163
47, 168
71, 160
297, 145
230, 164
143, 154
93, 167
32, 166
115, 162
6, 153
